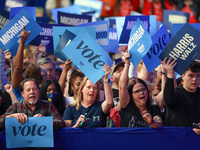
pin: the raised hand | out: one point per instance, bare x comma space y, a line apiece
24, 35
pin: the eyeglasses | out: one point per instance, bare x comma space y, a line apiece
137, 92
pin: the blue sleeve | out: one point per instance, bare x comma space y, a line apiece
18, 94
68, 114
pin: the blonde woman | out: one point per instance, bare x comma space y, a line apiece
87, 110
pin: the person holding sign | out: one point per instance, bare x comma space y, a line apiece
31, 106
88, 111
183, 102
136, 110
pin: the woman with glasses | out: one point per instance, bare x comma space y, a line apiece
136, 108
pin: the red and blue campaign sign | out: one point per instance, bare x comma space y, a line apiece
160, 39
139, 43
183, 47
88, 56
73, 19
37, 132
174, 16
149, 23
9, 35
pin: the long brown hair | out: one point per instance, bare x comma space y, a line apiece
79, 98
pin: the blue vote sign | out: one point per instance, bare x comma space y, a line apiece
139, 42
160, 40
37, 132
88, 56
9, 35
63, 35
183, 47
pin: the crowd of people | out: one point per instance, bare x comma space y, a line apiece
39, 84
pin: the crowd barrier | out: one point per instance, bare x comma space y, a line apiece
165, 138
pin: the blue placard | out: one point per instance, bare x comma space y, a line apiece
45, 37
73, 19
148, 21
177, 27
58, 33
37, 132
119, 24
139, 42
90, 5
9, 35
174, 16
74, 9
15, 10
113, 40
88, 56
102, 33
183, 47
160, 40
4, 18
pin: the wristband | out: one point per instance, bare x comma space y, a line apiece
126, 65
106, 81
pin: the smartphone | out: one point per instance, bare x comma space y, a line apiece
196, 125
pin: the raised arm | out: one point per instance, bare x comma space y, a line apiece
108, 102
124, 97
63, 75
9, 90
9, 57
169, 97
18, 60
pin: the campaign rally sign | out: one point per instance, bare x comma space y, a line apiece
4, 18
119, 24
45, 37
148, 21
73, 9
88, 56
73, 19
174, 16
113, 40
139, 42
90, 5
9, 35
28, 134
102, 34
60, 42
183, 47
15, 10
178, 26
159, 41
